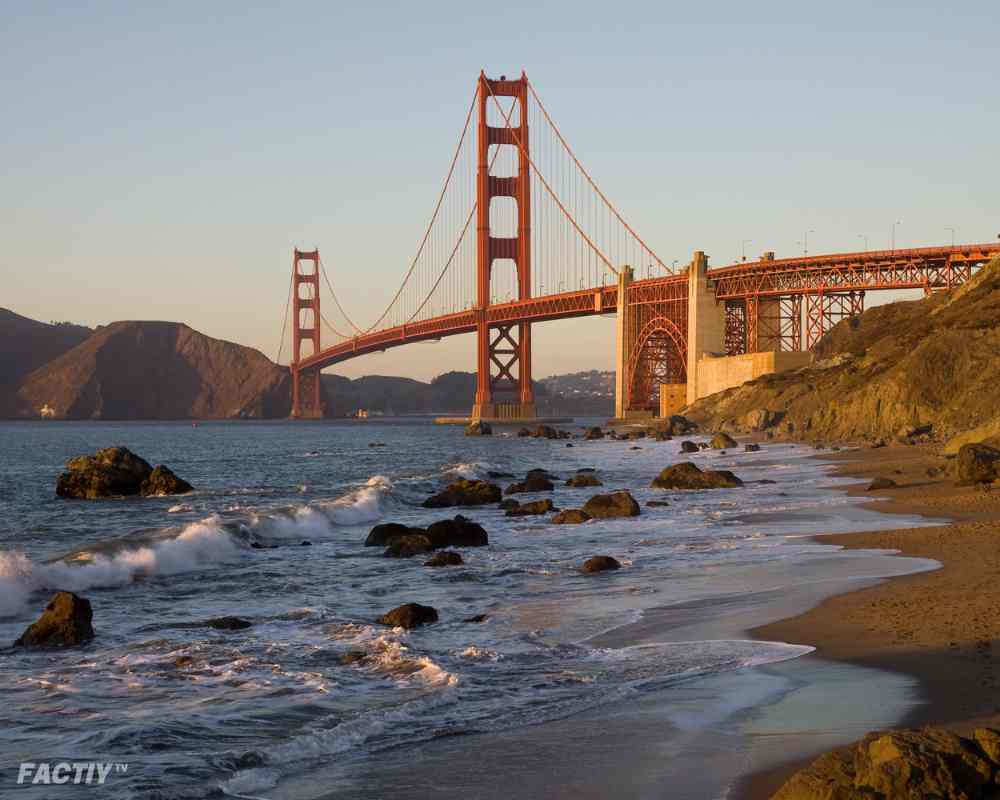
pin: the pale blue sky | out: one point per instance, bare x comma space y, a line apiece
161, 161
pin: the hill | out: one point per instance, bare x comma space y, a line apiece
930, 365
26, 345
157, 370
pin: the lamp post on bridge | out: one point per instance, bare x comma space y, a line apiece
865, 239
805, 242
952, 236
893, 237
743, 249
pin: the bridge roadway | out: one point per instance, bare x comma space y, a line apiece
924, 268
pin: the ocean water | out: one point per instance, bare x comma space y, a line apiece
315, 683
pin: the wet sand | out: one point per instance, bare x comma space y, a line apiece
939, 627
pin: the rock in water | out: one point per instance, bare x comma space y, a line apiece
533, 483
465, 493
380, 535
228, 623
162, 481
688, 476
881, 483
545, 432
457, 532
445, 558
616, 504
689, 447
409, 545
600, 564
410, 615
593, 433
116, 472
571, 516
508, 504
904, 764
66, 621
751, 448
722, 441
534, 507
978, 463
583, 479
479, 428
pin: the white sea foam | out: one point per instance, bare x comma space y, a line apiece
197, 545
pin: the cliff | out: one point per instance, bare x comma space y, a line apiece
930, 365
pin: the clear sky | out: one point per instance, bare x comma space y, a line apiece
160, 161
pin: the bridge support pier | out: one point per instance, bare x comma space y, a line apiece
623, 345
706, 331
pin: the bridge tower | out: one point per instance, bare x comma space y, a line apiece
306, 391
507, 348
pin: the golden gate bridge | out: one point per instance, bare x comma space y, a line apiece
520, 233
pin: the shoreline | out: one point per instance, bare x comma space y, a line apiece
937, 627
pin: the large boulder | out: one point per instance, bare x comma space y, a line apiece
410, 615
116, 472
228, 623
457, 532
677, 425
903, 765
687, 476
532, 508
583, 479
532, 483
723, 441
615, 504
380, 535
689, 447
479, 428
978, 463
465, 493
880, 483
545, 432
66, 621
600, 564
571, 516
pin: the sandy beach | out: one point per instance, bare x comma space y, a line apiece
939, 627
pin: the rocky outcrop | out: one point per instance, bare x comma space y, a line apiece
532, 508
583, 479
65, 622
615, 504
464, 493
545, 432
479, 428
380, 535
903, 765
880, 483
600, 564
687, 476
977, 463
571, 516
410, 615
751, 448
723, 441
116, 472
689, 447
900, 366
444, 558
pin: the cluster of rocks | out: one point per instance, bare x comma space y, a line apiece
543, 432
977, 463
688, 476
117, 472
404, 541
464, 493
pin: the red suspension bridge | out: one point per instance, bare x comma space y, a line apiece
520, 233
